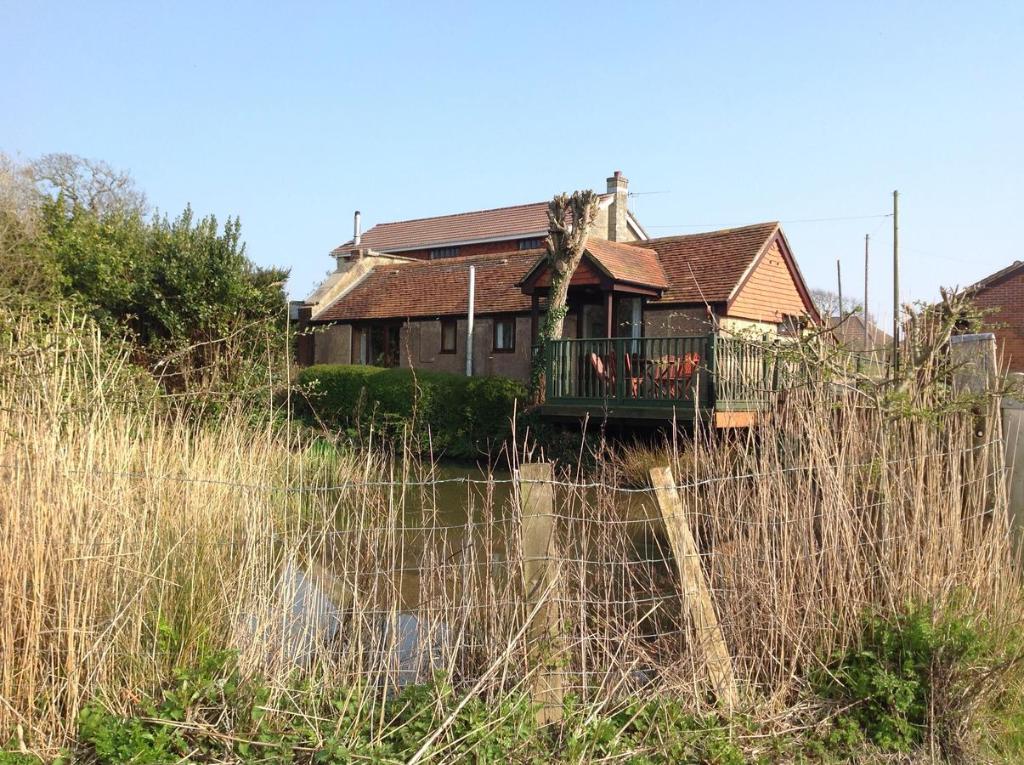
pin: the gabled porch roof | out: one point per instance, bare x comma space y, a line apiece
608, 265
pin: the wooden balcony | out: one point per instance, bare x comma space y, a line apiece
721, 381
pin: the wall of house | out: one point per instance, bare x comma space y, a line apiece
1006, 301
421, 348
732, 325
332, 344
465, 250
770, 293
675, 321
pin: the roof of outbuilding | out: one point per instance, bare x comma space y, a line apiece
707, 267
436, 288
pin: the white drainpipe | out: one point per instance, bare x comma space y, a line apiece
469, 322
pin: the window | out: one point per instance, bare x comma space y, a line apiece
531, 244
791, 326
379, 345
449, 335
504, 335
443, 252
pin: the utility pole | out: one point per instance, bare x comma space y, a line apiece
839, 284
867, 238
895, 284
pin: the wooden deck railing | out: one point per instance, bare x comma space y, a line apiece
683, 373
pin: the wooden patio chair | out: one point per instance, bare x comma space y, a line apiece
605, 374
634, 381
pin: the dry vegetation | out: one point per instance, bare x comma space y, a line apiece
135, 539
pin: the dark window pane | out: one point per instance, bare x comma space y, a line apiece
504, 334
449, 333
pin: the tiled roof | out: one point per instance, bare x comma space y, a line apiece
991, 279
693, 268
850, 333
500, 223
709, 266
436, 288
628, 263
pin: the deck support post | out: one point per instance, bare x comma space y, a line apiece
537, 500
694, 587
609, 310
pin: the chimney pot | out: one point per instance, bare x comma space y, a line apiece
617, 182
357, 234
618, 186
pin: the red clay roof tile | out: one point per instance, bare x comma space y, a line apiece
436, 288
499, 223
707, 267
628, 262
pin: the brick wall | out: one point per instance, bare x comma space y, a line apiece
1005, 299
465, 250
421, 348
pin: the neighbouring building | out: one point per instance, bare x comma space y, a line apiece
849, 333
1001, 295
399, 294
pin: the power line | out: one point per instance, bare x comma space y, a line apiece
793, 220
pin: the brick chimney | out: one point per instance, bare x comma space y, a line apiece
617, 210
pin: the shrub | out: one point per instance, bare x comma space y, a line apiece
914, 675
456, 415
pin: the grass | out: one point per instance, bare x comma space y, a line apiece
138, 541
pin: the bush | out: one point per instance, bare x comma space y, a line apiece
445, 413
915, 676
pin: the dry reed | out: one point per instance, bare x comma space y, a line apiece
134, 538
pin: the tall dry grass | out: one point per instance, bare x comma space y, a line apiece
134, 538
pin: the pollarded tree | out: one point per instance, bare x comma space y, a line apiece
570, 218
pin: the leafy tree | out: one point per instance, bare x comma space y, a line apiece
202, 315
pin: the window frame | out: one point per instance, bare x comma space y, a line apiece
443, 253
455, 336
494, 334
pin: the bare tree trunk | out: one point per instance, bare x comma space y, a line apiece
570, 217
567, 239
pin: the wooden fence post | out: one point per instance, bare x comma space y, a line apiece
537, 495
695, 589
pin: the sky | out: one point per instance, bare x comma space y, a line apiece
293, 115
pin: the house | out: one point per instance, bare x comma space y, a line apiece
1001, 296
849, 332
644, 314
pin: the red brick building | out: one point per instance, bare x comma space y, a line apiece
1002, 296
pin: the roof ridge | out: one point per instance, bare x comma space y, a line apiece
456, 215
671, 237
1002, 272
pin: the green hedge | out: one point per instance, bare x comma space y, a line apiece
454, 415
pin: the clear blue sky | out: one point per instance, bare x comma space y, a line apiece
293, 115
